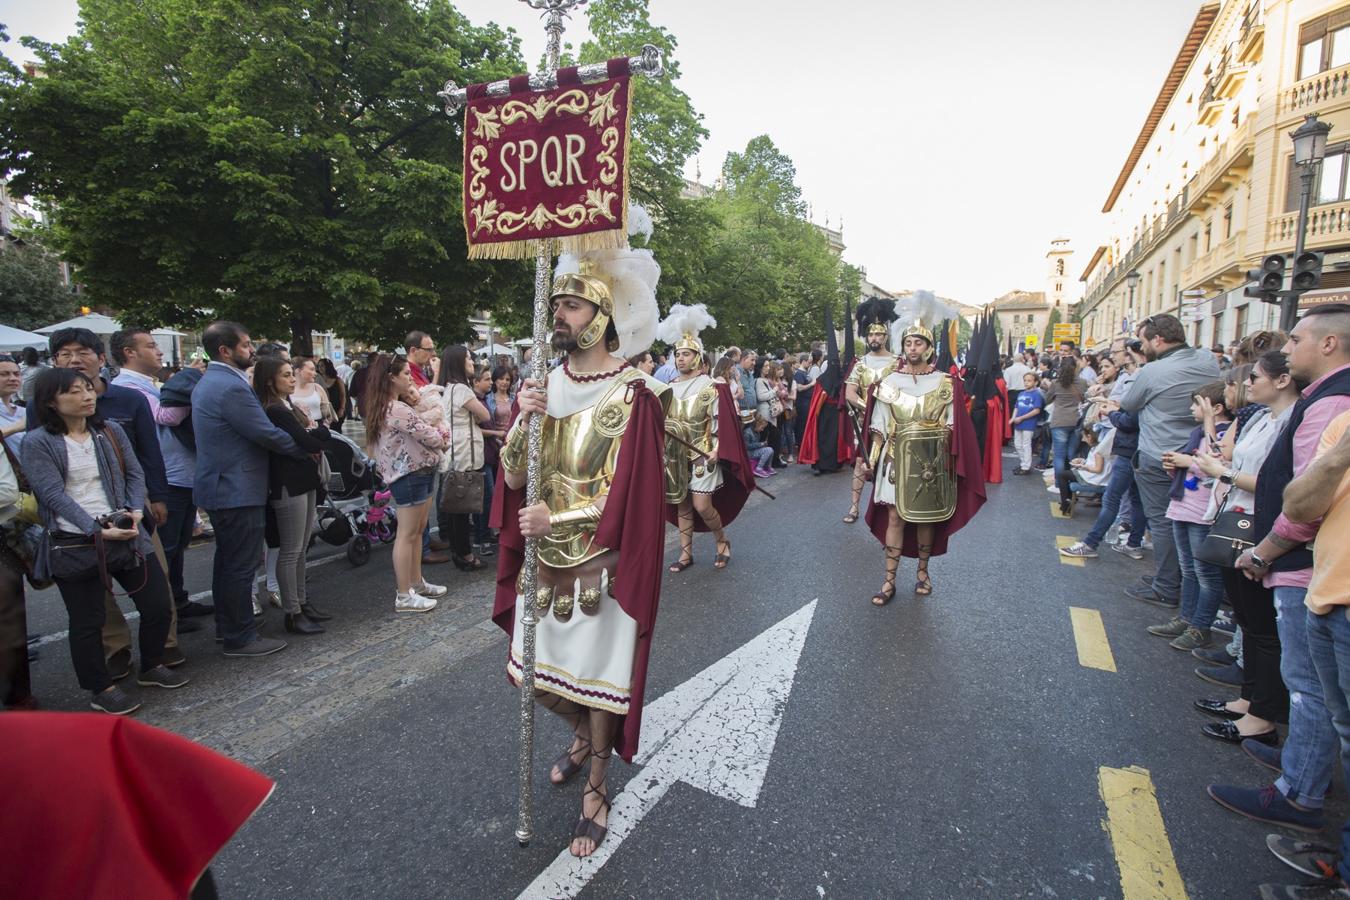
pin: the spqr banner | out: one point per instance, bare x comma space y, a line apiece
547, 164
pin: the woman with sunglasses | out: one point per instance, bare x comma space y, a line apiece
1264, 699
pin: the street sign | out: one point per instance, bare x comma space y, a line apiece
1030, 341
1067, 331
716, 733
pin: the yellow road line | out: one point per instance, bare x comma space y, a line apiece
1094, 651
1062, 541
1054, 511
1148, 871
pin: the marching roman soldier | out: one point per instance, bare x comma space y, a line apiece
598, 520
923, 456
874, 318
707, 470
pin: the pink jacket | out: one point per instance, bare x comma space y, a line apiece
408, 443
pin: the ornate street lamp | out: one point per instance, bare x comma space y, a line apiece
1132, 282
1310, 145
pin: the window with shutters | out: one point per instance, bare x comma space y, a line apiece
1324, 43
1239, 323
1228, 221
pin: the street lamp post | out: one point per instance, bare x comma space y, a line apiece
1132, 282
1310, 145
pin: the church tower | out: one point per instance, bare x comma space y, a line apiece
1058, 280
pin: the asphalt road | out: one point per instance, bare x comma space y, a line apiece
951, 746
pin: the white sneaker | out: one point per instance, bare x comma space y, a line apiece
433, 591
413, 602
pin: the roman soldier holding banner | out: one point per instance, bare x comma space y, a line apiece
707, 470
921, 452
598, 523
874, 318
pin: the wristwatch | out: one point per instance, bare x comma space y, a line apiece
1228, 477
1258, 561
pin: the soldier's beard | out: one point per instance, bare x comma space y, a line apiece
563, 341
876, 344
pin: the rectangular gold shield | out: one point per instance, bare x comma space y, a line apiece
926, 490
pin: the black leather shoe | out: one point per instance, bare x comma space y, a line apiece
1217, 708
1228, 733
187, 626
313, 614
298, 624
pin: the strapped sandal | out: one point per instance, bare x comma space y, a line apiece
852, 516
923, 585
721, 559
587, 827
681, 564
887, 592
567, 766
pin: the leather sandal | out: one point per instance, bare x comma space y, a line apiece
586, 826
887, 592
721, 559
852, 516
923, 584
681, 564
567, 766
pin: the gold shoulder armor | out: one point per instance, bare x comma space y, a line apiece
945, 388
886, 393
613, 410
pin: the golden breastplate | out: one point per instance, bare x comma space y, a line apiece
690, 419
919, 446
576, 468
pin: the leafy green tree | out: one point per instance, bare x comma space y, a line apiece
1050, 329
32, 292
284, 164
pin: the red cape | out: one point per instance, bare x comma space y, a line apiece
737, 478
969, 485
808, 454
104, 806
631, 524
995, 423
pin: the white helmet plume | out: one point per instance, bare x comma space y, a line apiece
684, 320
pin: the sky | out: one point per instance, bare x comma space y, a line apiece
953, 140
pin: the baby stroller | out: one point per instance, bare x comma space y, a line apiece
358, 510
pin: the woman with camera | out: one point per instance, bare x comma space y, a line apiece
292, 486
91, 499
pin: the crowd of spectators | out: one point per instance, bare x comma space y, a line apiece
113, 463
1225, 473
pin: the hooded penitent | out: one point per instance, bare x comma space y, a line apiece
828, 441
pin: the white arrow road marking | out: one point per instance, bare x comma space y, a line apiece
715, 732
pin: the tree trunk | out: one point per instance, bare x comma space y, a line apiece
302, 335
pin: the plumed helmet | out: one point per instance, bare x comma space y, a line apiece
875, 315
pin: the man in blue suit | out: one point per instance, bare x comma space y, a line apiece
234, 437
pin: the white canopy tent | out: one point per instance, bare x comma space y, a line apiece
12, 339
104, 326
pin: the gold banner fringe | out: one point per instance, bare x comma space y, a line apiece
613, 239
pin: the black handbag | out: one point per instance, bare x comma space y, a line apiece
1232, 533
462, 492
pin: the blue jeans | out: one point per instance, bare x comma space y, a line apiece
1201, 582
1311, 747
175, 535
1329, 645
1064, 445
239, 545
1122, 482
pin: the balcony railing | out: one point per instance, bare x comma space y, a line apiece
1226, 258
1252, 36
1326, 225
1310, 93
1155, 230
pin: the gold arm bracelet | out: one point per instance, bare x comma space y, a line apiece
515, 451
581, 515
874, 456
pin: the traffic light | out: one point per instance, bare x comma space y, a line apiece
1269, 279
1307, 271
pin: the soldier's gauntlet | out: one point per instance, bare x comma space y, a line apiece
515, 451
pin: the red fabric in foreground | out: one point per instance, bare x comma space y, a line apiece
737, 479
104, 806
631, 525
808, 454
994, 424
969, 485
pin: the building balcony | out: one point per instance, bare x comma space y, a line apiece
1211, 105
1328, 225
1252, 41
1315, 93
1225, 169
1219, 269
